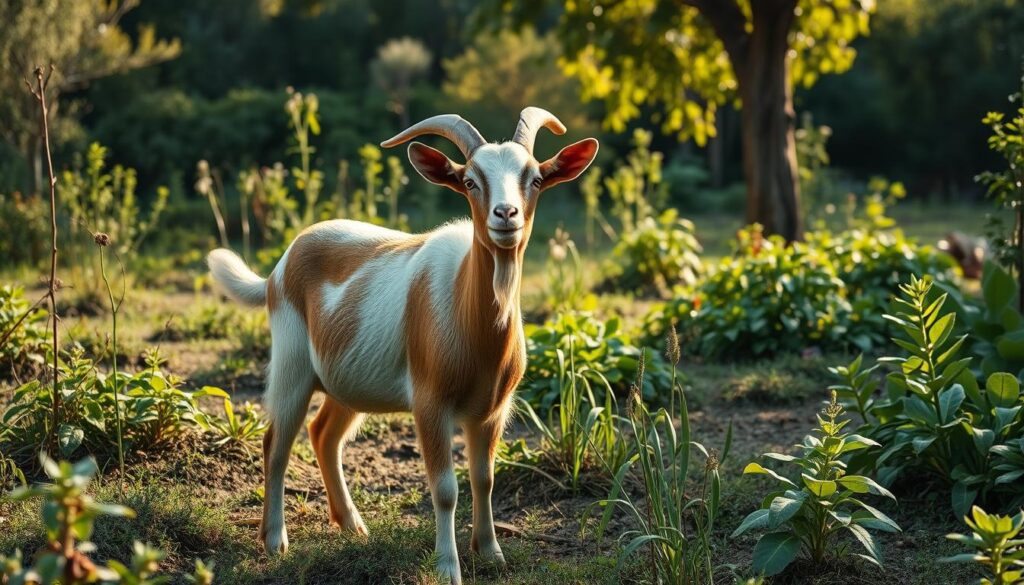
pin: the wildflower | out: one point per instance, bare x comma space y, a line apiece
102, 240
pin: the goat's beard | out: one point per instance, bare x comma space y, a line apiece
507, 274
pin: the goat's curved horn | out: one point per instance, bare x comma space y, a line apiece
531, 120
451, 126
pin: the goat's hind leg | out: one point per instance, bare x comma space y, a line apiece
290, 384
334, 424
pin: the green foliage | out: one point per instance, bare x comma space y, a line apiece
657, 255
997, 546
806, 514
237, 427
26, 221
636, 54
872, 264
68, 515
601, 351
27, 345
580, 435
1006, 187
828, 292
997, 329
565, 289
767, 298
650, 254
155, 410
934, 417
671, 521
500, 72
82, 41
218, 321
104, 201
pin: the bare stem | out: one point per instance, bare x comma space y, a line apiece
40, 94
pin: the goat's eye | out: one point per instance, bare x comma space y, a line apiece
470, 185
537, 182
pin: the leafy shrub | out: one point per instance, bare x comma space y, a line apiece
997, 329
872, 263
768, 297
997, 545
671, 521
1006, 188
235, 427
27, 345
934, 418
805, 514
600, 350
155, 410
26, 229
656, 255
99, 200
68, 515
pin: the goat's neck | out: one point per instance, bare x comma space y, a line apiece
481, 313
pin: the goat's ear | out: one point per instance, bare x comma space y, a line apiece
435, 167
569, 163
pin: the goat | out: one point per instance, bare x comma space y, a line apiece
384, 321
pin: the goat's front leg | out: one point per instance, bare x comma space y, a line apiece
482, 443
434, 428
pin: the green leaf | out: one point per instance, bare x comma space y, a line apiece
1003, 389
940, 330
1011, 345
756, 519
998, 287
950, 401
962, 497
820, 488
782, 509
867, 540
863, 485
774, 552
757, 468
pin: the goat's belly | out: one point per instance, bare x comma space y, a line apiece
369, 377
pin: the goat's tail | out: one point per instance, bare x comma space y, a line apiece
237, 279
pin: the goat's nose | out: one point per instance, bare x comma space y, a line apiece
506, 211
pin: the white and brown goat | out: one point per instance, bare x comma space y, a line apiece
385, 321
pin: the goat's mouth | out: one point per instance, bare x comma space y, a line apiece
505, 237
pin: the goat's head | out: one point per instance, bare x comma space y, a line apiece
502, 181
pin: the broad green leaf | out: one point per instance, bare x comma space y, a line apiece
997, 286
782, 509
862, 485
820, 488
962, 497
1003, 389
950, 401
756, 519
774, 552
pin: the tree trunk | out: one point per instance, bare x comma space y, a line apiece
769, 143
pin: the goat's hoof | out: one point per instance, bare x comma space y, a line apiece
449, 570
275, 542
355, 526
492, 554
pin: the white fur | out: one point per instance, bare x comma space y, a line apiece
237, 280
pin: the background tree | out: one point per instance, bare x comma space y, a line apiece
693, 56
499, 73
81, 38
400, 63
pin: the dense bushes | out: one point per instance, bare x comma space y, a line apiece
600, 350
828, 292
26, 343
934, 419
155, 409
